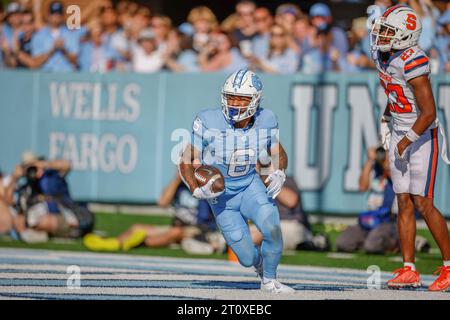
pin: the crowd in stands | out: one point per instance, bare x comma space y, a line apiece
129, 37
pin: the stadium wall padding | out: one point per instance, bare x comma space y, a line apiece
120, 130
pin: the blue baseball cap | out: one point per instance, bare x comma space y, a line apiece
186, 28
56, 7
445, 18
320, 10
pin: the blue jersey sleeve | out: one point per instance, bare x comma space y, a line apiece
198, 138
268, 121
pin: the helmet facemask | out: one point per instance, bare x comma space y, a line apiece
383, 36
239, 113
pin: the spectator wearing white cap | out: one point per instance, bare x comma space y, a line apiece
145, 56
321, 16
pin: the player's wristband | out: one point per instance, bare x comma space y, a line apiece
386, 118
412, 136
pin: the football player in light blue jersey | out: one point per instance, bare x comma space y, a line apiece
237, 138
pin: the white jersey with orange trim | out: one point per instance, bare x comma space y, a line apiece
394, 74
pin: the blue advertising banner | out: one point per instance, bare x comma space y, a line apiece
122, 131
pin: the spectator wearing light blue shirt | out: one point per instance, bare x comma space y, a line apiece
95, 54
181, 57
56, 36
9, 31
303, 34
263, 22
280, 59
320, 17
220, 55
428, 14
443, 42
359, 57
115, 38
324, 57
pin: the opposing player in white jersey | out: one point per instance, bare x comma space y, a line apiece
409, 129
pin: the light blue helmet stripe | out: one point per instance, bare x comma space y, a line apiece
239, 78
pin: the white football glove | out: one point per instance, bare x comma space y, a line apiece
206, 192
277, 179
385, 134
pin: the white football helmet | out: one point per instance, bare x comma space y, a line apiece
241, 83
398, 28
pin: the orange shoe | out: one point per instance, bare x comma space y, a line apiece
404, 278
232, 257
442, 283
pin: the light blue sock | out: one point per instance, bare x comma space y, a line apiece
268, 221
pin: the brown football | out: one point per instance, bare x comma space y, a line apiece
204, 173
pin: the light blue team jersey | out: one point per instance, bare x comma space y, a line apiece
43, 41
233, 151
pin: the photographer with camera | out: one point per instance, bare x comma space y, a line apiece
45, 200
12, 223
376, 230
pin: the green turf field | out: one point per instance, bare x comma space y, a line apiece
114, 224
